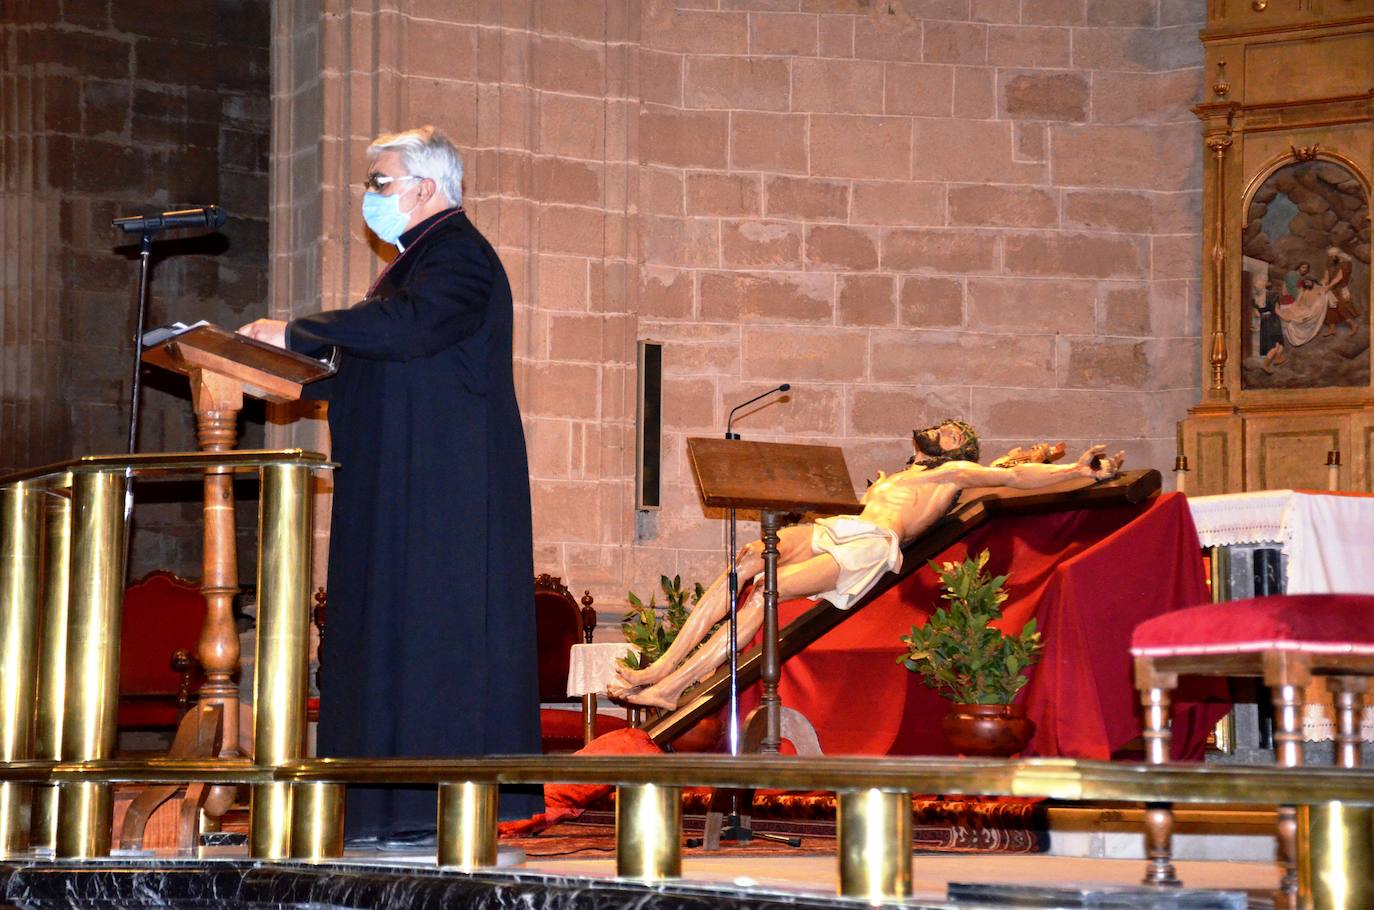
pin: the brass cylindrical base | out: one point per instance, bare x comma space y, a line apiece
1335, 843
85, 812
874, 835
96, 587
20, 544
52, 662
648, 832
15, 812
467, 825
269, 821
43, 831
317, 821
279, 683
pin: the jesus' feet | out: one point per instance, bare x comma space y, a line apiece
653, 697
622, 693
642, 677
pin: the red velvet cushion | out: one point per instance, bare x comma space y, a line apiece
1319, 623
565, 801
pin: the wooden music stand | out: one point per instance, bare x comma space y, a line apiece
222, 367
776, 479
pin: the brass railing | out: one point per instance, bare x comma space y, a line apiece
62, 539
874, 832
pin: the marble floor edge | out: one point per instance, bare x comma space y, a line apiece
238, 883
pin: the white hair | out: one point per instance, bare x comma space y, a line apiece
426, 152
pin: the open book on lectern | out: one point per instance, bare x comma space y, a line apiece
267, 371
154, 337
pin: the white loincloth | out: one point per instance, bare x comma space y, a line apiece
863, 551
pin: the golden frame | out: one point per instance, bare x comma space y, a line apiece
1333, 395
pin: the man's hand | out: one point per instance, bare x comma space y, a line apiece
272, 331
1099, 466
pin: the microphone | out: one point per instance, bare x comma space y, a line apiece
207, 216
728, 435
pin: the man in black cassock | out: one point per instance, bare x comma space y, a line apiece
430, 644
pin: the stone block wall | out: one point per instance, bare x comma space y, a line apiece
110, 108
906, 208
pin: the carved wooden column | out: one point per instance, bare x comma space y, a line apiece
1217, 117
217, 400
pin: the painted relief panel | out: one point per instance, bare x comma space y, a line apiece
1305, 284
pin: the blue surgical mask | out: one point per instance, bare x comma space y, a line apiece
384, 216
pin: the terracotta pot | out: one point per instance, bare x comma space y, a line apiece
988, 729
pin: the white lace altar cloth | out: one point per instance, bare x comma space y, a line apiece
1326, 538
591, 668
1239, 518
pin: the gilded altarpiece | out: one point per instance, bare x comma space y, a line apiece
1288, 128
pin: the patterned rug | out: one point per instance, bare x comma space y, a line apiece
939, 825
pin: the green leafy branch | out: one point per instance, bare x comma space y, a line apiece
652, 629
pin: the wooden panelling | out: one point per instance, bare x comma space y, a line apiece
1347, 69
1290, 453
1210, 468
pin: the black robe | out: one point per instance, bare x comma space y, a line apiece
429, 645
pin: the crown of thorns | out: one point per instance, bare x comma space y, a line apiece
969, 451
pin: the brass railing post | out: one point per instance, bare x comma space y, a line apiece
279, 688
873, 830
467, 825
648, 832
96, 586
317, 820
52, 658
20, 545
1335, 843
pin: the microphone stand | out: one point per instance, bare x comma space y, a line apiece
145, 249
733, 827
209, 216
145, 252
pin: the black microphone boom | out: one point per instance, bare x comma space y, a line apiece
206, 216
782, 388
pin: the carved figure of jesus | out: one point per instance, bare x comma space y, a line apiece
841, 558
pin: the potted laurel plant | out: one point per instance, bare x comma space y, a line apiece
974, 664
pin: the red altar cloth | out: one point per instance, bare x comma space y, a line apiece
1088, 577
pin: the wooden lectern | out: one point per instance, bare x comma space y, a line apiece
222, 367
776, 479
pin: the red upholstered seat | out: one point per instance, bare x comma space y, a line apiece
163, 614
1316, 624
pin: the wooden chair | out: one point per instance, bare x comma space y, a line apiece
158, 671
1284, 640
560, 623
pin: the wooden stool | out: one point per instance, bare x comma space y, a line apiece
1283, 640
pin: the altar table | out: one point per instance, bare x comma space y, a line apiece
1088, 577
591, 669
1324, 537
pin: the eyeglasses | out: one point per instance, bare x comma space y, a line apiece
375, 182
